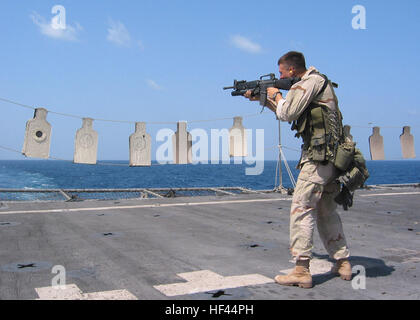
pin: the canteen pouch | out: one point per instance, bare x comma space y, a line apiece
344, 156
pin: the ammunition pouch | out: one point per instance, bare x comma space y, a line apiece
318, 148
319, 142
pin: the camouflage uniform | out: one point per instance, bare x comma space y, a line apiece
316, 188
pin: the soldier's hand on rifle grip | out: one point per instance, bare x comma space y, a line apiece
274, 94
248, 95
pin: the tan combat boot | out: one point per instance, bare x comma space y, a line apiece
300, 276
343, 269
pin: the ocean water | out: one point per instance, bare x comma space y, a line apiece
51, 174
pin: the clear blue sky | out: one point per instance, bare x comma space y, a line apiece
168, 61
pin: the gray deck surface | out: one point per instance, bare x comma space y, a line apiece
125, 244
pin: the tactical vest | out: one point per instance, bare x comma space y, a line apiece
321, 130
323, 141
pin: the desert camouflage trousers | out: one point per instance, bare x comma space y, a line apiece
313, 201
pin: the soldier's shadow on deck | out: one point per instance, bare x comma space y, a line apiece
374, 268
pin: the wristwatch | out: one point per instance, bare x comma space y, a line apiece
275, 95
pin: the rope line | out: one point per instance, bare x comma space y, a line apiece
17, 103
382, 127
175, 122
126, 121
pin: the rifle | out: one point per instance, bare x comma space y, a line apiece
259, 87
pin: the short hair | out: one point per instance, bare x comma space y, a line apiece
293, 59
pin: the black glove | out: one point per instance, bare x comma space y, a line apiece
344, 198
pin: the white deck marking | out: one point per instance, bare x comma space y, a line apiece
206, 280
317, 266
388, 194
157, 205
72, 292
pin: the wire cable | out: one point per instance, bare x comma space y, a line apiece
292, 179
126, 121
